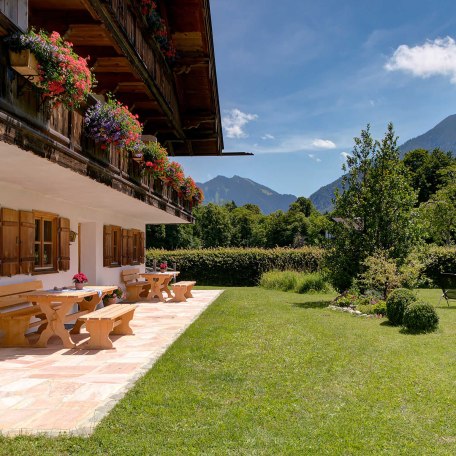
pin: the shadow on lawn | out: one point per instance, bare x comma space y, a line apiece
311, 305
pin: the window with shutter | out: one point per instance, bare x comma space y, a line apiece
126, 255
9, 242
45, 253
112, 246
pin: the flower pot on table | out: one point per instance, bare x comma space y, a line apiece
79, 286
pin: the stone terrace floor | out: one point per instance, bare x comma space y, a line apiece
54, 390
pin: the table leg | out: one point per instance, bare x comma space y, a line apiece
156, 285
56, 324
165, 287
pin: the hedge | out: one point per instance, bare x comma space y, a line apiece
438, 260
236, 267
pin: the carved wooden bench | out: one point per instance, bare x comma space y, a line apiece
137, 287
182, 290
16, 313
114, 319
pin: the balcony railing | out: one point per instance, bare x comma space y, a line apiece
134, 28
58, 134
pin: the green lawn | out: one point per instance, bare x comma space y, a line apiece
267, 372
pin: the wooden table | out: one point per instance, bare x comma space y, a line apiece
159, 282
56, 305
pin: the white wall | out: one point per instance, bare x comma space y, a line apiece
92, 220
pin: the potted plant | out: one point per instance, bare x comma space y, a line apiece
155, 158
174, 175
79, 280
198, 197
62, 75
111, 298
112, 123
163, 266
188, 189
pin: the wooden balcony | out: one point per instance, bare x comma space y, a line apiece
58, 135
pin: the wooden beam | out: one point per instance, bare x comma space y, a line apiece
112, 65
88, 35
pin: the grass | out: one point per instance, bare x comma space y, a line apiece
265, 372
294, 281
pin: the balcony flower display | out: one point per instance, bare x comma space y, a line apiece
113, 123
63, 76
198, 198
149, 8
188, 189
174, 175
155, 159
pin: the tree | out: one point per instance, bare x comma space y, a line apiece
244, 221
439, 213
303, 205
374, 210
213, 225
424, 170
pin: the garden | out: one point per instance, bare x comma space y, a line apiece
273, 372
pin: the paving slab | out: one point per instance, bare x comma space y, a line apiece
57, 391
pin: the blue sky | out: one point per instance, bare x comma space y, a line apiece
298, 79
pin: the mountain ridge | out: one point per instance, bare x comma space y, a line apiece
241, 190
442, 136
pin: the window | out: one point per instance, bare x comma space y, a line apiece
45, 241
122, 247
112, 246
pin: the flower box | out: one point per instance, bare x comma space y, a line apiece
25, 63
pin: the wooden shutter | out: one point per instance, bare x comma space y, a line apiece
131, 239
107, 245
141, 247
9, 242
27, 241
64, 244
125, 252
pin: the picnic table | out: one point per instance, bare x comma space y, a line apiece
57, 304
159, 282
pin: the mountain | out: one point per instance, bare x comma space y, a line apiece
442, 136
222, 190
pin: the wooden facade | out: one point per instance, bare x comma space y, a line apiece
177, 103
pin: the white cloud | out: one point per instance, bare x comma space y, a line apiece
267, 136
436, 57
323, 144
345, 155
235, 121
312, 156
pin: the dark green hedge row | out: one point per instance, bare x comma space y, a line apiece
236, 267
438, 260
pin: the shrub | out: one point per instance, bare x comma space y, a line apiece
396, 304
279, 280
311, 283
372, 309
438, 260
380, 274
237, 267
420, 316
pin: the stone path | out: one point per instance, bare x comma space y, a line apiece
54, 390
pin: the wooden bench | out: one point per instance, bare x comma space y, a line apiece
137, 287
182, 291
16, 313
114, 319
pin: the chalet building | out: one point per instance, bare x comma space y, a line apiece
67, 204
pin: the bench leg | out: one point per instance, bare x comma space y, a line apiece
188, 293
132, 294
99, 334
14, 330
144, 291
123, 328
179, 294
